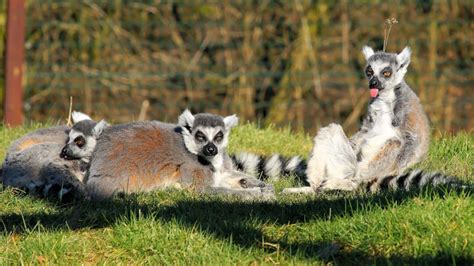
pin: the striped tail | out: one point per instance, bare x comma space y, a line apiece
415, 179
271, 167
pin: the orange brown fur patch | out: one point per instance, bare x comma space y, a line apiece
28, 143
138, 155
415, 120
386, 154
389, 146
148, 179
198, 178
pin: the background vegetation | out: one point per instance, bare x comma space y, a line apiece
282, 62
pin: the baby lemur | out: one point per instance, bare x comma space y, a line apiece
145, 156
82, 138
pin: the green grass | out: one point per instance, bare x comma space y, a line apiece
423, 227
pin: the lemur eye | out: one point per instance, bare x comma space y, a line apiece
80, 141
200, 136
369, 71
243, 183
219, 136
387, 74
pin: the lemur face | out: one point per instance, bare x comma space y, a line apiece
385, 70
206, 134
208, 140
82, 137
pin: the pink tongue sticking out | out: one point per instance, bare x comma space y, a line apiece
374, 92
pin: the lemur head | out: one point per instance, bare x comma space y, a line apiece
82, 137
385, 70
206, 135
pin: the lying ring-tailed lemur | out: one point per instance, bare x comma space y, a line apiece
145, 156
33, 164
393, 137
83, 138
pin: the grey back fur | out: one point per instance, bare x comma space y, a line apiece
142, 156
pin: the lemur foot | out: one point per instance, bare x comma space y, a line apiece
337, 184
299, 190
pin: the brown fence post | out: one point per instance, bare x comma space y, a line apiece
14, 55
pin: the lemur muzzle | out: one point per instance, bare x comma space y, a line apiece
210, 150
374, 84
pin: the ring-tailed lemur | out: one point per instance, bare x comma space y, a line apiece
82, 138
394, 136
33, 163
145, 156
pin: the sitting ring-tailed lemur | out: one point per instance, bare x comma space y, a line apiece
145, 156
394, 136
83, 138
33, 164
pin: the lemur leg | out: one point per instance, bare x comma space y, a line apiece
332, 162
332, 157
63, 180
382, 164
357, 139
407, 155
338, 184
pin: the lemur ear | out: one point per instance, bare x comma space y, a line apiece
403, 58
78, 117
231, 121
99, 128
367, 51
186, 119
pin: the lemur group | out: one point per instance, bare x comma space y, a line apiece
95, 160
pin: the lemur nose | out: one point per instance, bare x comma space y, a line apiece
210, 150
63, 153
373, 83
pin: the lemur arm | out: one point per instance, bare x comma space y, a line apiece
357, 139
410, 139
407, 151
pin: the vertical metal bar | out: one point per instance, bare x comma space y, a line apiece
14, 55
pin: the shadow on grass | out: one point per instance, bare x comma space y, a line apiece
236, 220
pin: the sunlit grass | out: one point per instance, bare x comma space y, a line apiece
168, 227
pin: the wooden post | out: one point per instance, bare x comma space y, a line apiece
14, 55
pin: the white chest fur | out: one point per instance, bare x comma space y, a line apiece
220, 174
381, 131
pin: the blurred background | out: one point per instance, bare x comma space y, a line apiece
294, 63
